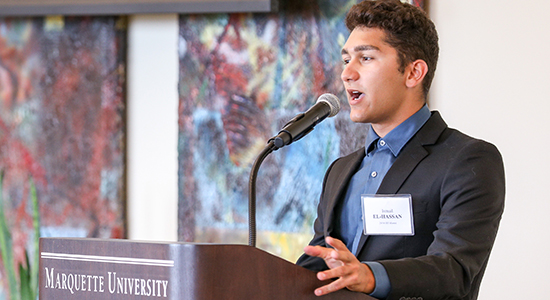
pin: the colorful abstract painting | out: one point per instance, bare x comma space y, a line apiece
62, 110
242, 77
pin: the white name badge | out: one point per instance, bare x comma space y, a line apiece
387, 214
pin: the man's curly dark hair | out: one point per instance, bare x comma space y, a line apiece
408, 29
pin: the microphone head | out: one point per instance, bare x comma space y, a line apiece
332, 101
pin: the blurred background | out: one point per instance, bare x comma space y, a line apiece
144, 126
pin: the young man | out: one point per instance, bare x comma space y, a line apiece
451, 184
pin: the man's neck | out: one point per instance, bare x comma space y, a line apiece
382, 129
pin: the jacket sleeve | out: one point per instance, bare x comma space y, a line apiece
471, 203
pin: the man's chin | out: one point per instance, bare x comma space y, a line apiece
357, 118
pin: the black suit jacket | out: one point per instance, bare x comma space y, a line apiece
457, 187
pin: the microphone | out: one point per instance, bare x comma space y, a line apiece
327, 105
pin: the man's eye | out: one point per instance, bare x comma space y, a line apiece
345, 61
366, 58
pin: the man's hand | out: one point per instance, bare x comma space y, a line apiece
343, 265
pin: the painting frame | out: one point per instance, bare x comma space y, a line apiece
126, 7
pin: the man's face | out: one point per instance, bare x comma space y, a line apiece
375, 87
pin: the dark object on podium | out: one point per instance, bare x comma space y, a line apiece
120, 269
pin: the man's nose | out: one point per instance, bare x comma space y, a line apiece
349, 73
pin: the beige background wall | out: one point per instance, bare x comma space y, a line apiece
491, 83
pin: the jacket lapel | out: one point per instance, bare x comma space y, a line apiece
350, 165
413, 153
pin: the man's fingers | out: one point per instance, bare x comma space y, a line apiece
341, 283
332, 273
336, 244
330, 288
342, 252
318, 251
343, 266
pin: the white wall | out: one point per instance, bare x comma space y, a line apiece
153, 68
492, 83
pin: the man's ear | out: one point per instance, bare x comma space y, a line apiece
416, 71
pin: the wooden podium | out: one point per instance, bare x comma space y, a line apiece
121, 269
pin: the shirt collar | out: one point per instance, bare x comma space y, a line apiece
400, 135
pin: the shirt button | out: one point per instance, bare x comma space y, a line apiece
373, 174
382, 143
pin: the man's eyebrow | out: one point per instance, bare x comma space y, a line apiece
361, 48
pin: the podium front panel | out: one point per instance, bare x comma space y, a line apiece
80, 269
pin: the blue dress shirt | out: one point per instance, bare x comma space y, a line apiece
380, 153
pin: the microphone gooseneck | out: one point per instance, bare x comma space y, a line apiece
252, 193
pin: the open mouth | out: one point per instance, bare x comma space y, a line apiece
355, 95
